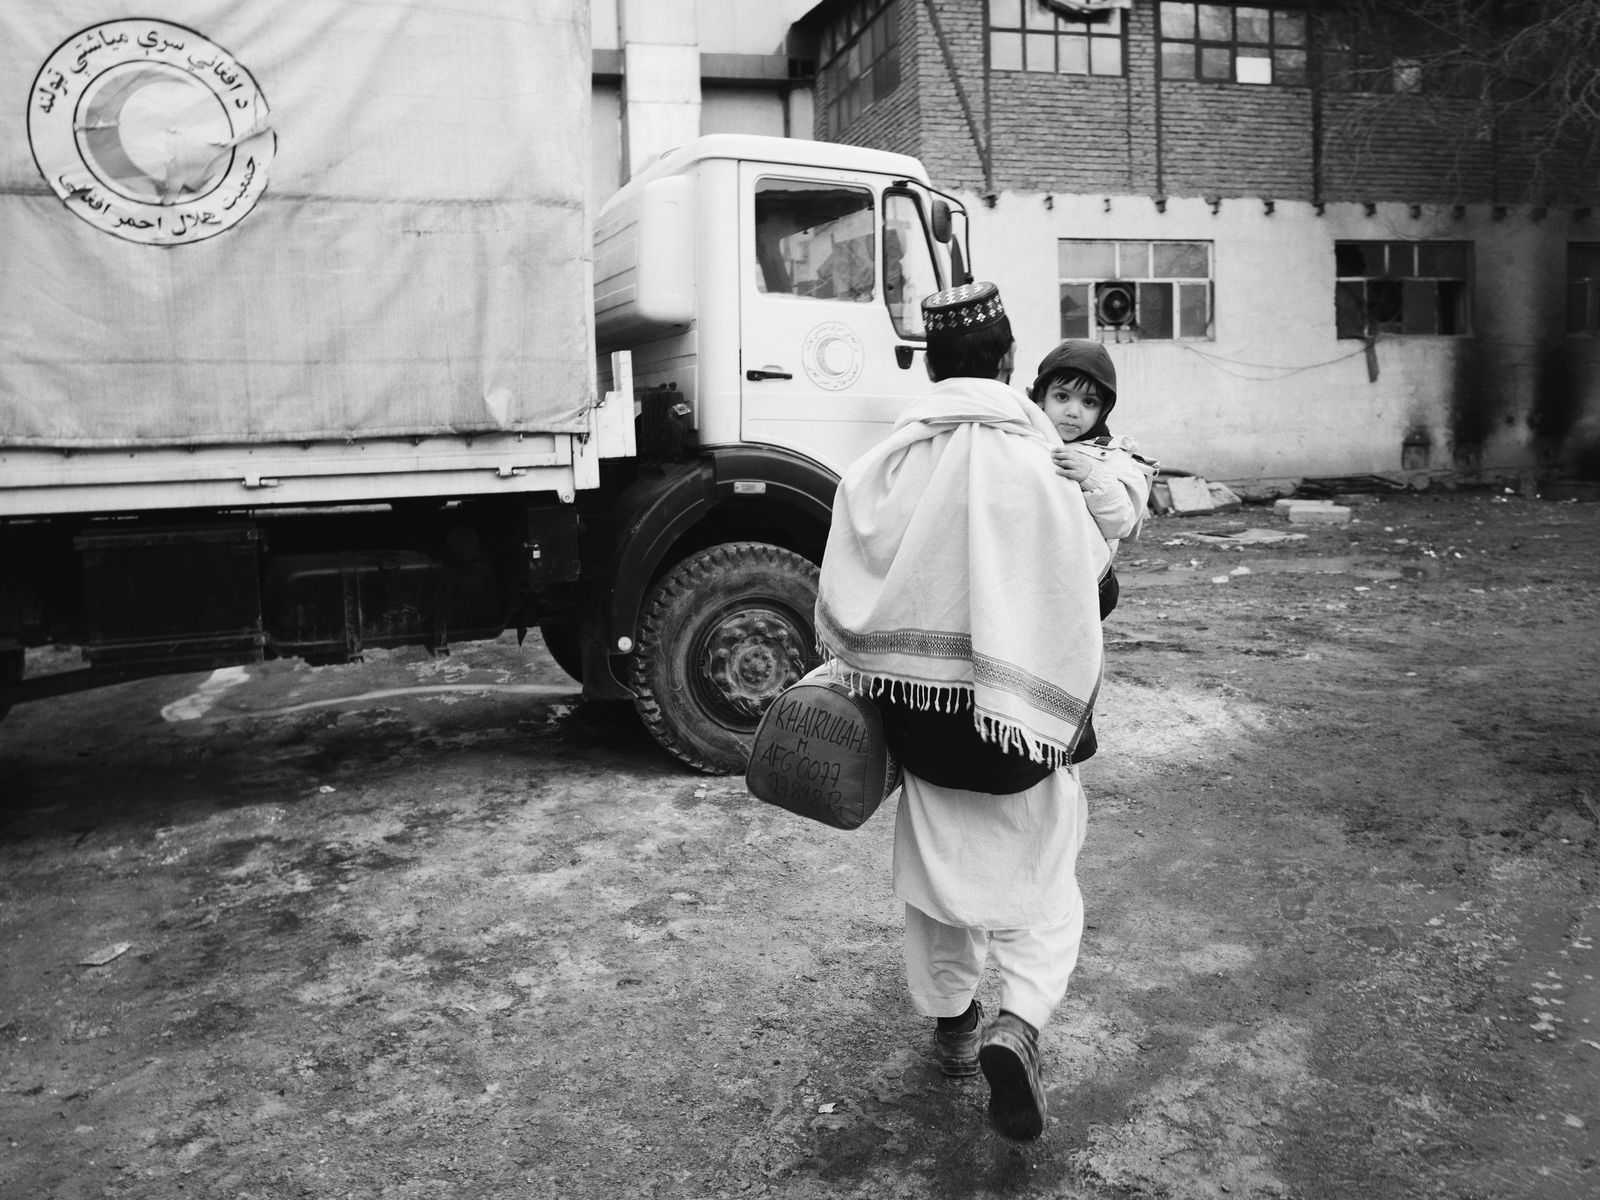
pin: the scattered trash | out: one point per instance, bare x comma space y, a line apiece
826, 1108
1219, 579
102, 956
1241, 569
1246, 537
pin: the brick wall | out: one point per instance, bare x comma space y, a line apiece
1141, 134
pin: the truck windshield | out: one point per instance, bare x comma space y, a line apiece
814, 239
909, 273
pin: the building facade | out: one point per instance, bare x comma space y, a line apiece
667, 71
1299, 264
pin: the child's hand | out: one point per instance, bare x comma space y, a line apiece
1072, 463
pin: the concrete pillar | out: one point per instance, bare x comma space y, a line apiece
660, 78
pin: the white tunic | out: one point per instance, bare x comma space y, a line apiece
991, 862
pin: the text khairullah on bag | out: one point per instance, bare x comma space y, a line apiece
820, 752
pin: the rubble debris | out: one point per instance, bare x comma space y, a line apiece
1224, 499
1191, 495
1313, 512
1335, 485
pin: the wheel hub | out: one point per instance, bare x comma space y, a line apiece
750, 655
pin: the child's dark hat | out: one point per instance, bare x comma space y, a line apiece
964, 309
1083, 357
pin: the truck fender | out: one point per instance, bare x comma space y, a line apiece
663, 505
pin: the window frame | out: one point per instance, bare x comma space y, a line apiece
910, 305
1401, 274
1388, 60
1287, 43
1147, 282
1037, 25
859, 63
800, 285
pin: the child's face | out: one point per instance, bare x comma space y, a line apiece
1072, 406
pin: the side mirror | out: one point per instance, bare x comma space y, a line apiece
941, 222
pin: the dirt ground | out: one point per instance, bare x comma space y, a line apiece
423, 928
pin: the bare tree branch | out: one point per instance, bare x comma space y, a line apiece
1524, 72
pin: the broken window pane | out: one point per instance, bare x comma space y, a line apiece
1385, 301
1074, 310
1350, 309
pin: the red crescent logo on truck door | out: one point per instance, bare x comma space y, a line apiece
832, 356
151, 132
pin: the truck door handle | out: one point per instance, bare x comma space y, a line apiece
767, 373
903, 355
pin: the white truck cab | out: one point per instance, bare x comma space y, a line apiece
776, 282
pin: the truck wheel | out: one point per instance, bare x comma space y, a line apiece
562, 642
722, 634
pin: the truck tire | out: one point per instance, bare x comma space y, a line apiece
561, 640
722, 633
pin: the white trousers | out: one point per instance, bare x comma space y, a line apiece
944, 964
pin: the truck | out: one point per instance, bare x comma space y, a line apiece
313, 343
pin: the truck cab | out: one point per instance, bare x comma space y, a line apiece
776, 285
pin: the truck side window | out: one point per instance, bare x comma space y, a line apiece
909, 273
814, 239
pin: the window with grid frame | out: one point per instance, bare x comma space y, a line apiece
860, 61
1226, 43
1386, 54
1032, 35
1135, 291
1413, 288
1583, 288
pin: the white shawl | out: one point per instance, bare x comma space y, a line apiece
959, 561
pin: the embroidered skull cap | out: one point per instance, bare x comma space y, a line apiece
964, 309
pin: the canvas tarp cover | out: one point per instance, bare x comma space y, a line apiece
298, 221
